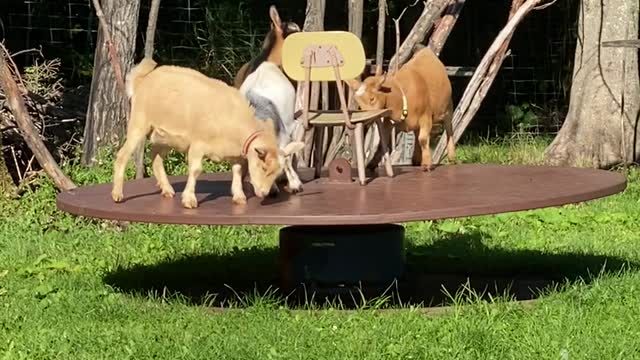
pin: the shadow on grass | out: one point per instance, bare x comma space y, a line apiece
434, 273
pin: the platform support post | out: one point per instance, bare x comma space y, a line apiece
332, 259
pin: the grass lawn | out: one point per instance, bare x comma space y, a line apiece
74, 288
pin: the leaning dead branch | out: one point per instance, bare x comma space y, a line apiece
445, 25
55, 112
19, 110
485, 74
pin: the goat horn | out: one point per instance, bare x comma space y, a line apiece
378, 69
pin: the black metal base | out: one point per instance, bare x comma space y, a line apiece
335, 259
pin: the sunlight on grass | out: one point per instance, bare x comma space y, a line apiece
77, 288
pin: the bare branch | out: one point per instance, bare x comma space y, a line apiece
151, 28
544, 6
432, 11
396, 22
407, 7
26, 51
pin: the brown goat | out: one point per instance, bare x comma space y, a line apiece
418, 95
183, 109
271, 47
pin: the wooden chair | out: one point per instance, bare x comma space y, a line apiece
332, 56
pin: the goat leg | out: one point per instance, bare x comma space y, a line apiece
448, 128
423, 138
382, 151
135, 136
293, 180
194, 156
158, 153
384, 127
236, 184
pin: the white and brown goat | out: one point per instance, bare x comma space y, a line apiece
418, 95
183, 109
271, 93
271, 46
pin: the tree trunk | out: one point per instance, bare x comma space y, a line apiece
314, 21
356, 13
335, 137
382, 19
108, 106
371, 134
600, 129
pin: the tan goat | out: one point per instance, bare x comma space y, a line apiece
419, 95
183, 109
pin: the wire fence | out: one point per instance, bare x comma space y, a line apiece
219, 36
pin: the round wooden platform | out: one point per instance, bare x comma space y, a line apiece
412, 195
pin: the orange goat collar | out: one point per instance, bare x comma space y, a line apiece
247, 143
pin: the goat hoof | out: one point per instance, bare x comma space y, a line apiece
294, 186
295, 190
189, 201
168, 192
240, 200
117, 196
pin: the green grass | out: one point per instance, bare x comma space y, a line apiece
74, 288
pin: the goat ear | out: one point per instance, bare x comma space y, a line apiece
275, 18
353, 84
292, 148
380, 81
262, 153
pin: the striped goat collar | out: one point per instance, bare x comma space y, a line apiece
248, 141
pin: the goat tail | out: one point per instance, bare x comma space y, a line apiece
137, 73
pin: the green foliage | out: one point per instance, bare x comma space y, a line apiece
81, 67
225, 40
522, 117
78, 288
43, 78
